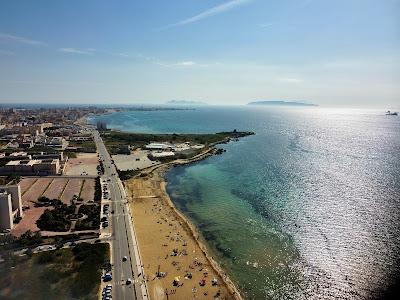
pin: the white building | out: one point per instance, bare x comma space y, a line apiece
160, 154
10, 205
158, 146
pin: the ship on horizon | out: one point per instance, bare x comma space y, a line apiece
389, 113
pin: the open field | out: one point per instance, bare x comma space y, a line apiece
60, 274
28, 222
26, 183
87, 190
73, 188
35, 190
55, 188
83, 164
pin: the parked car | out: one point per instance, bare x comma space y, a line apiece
107, 277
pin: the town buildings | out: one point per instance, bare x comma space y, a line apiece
32, 167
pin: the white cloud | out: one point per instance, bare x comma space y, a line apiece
88, 51
156, 61
186, 63
210, 12
19, 39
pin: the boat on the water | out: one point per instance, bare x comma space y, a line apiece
389, 113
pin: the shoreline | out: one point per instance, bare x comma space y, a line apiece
196, 235
156, 174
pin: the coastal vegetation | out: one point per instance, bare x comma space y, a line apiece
71, 273
117, 141
125, 175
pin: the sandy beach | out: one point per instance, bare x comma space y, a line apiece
175, 261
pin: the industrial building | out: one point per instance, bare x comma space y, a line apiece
10, 205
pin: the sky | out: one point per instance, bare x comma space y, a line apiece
332, 53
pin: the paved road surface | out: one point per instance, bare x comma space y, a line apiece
123, 241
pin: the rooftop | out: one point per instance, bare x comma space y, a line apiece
31, 162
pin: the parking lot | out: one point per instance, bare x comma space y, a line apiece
137, 160
83, 164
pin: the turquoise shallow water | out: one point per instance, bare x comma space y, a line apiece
308, 208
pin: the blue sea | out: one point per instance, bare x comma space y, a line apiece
307, 208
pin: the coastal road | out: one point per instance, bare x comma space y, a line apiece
123, 241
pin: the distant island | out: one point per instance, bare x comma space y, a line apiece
185, 102
281, 103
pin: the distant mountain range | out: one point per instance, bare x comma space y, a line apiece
185, 102
281, 103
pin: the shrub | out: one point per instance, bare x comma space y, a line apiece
97, 190
45, 257
125, 175
57, 219
92, 258
92, 221
30, 239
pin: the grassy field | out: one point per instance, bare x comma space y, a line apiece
84, 146
116, 141
61, 274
